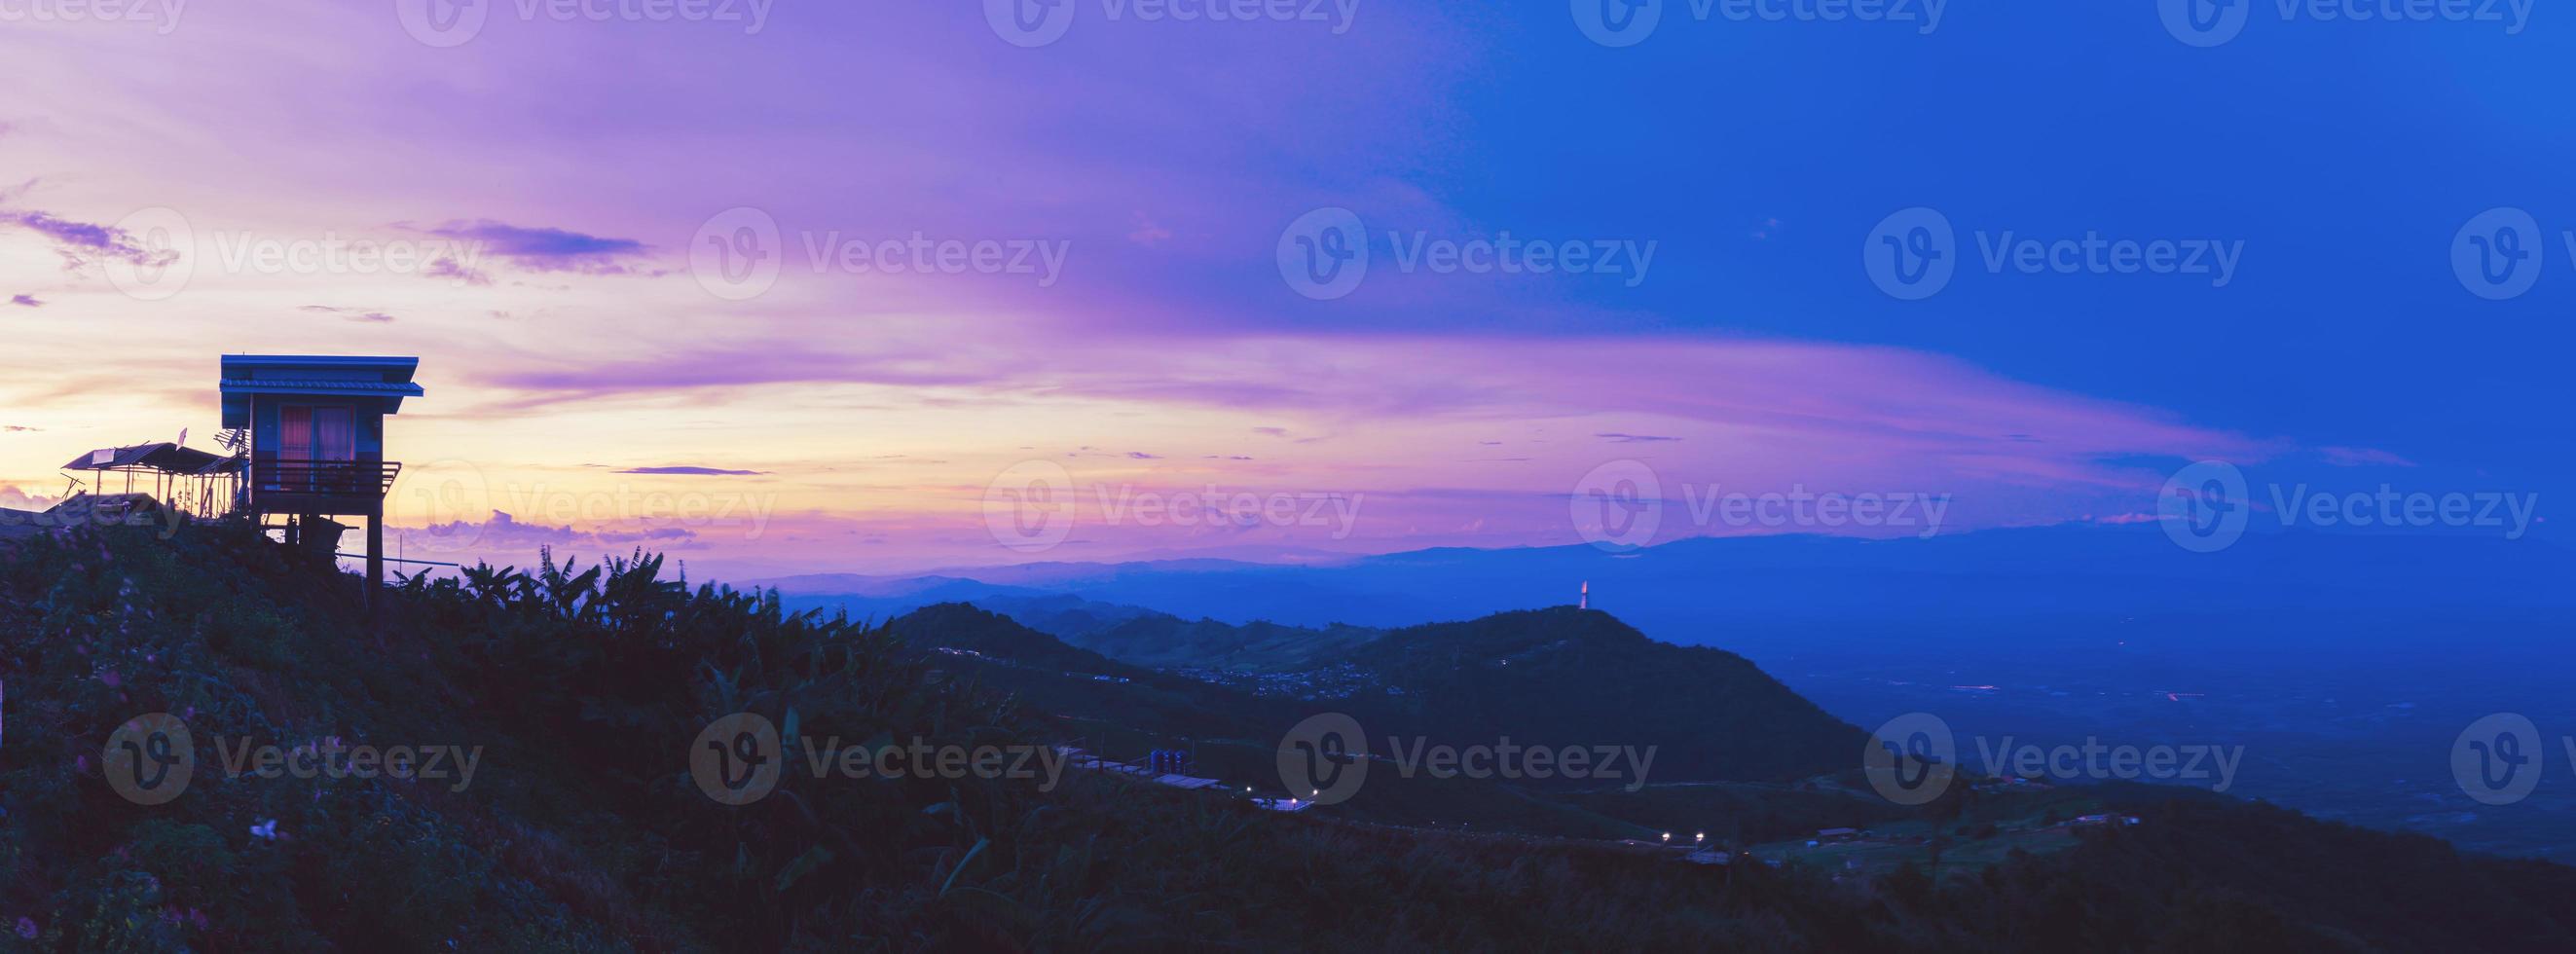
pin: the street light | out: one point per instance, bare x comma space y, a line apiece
1702, 836
1668, 836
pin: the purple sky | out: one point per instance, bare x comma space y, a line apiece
546, 213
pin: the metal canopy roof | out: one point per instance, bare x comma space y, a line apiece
165, 457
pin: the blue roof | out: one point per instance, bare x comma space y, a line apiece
392, 368
355, 376
318, 386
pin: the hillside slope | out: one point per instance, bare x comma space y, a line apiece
1580, 677
585, 693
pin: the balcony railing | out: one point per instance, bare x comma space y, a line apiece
325, 478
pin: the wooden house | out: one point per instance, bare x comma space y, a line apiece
317, 440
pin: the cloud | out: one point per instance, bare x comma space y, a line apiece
1141, 455
1634, 438
1881, 403
541, 249
451, 270
1147, 232
14, 499
694, 471
2361, 457
2122, 519
17, 429
80, 243
26, 300
505, 532
352, 314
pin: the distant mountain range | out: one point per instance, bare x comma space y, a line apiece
1555, 677
2347, 662
1752, 594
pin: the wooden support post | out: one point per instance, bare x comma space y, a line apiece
375, 552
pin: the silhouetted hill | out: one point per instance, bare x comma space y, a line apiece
1544, 677
1565, 676
962, 626
586, 691
1165, 641
1068, 681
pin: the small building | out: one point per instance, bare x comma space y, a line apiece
316, 448
191, 481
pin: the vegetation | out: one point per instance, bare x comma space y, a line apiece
1580, 677
1167, 641
586, 688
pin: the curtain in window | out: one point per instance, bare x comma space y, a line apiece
335, 434
295, 432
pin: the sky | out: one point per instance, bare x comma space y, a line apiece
885, 287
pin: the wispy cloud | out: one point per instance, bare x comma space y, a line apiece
2362, 457
26, 300
81, 243
544, 249
368, 315
503, 532
1616, 438
1147, 232
693, 471
449, 269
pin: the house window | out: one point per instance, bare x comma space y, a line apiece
317, 433
295, 432
335, 434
